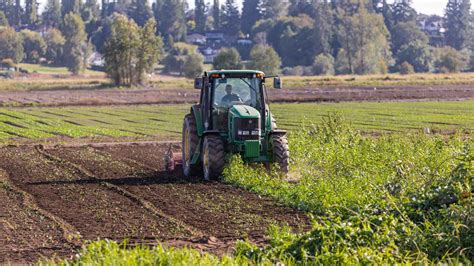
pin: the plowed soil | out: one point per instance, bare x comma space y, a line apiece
54, 199
178, 96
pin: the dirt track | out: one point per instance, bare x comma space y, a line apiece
55, 199
166, 96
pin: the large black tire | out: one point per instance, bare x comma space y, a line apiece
189, 144
213, 157
281, 153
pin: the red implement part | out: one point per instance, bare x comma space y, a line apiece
173, 159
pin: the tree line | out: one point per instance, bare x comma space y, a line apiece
299, 37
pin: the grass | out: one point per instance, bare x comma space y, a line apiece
171, 82
45, 69
165, 121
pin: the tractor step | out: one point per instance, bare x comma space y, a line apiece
173, 159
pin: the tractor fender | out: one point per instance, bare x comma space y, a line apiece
196, 111
279, 132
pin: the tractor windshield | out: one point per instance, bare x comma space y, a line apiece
232, 91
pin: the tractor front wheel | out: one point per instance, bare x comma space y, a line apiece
189, 145
213, 157
281, 154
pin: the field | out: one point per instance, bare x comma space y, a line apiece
371, 182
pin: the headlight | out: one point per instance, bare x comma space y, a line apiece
256, 133
245, 133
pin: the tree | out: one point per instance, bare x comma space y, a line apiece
31, 13
323, 65
52, 14
3, 20
457, 23
449, 60
406, 68
274, 9
140, 12
265, 59
90, 12
417, 53
292, 38
323, 28
231, 18
200, 15
54, 45
405, 33
34, 46
403, 12
172, 20
364, 38
251, 13
216, 14
227, 58
76, 46
11, 45
183, 59
68, 6
131, 51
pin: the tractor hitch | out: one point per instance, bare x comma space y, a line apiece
172, 159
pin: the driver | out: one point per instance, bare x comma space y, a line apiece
230, 97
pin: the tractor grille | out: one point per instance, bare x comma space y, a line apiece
247, 128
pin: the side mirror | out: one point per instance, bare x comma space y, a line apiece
198, 83
277, 83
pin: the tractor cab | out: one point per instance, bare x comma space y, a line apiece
232, 117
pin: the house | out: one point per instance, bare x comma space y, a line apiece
433, 27
196, 39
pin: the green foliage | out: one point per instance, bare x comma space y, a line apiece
131, 51
172, 20
200, 15
364, 38
251, 13
3, 19
386, 199
183, 59
274, 9
265, 59
449, 60
70, 6
231, 18
11, 44
76, 46
457, 23
405, 33
228, 58
33, 45
323, 65
54, 45
31, 13
418, 54
140, 12
111, 253
51, 16
406, 68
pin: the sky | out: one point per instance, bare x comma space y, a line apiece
430, 7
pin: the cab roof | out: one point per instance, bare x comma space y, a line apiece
235, 72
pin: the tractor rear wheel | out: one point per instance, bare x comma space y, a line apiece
213, 157
281, 154
189, 144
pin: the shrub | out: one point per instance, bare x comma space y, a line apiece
228, 58
323, 65
448, 59
265, 58
406, 68
183, 59
294, 71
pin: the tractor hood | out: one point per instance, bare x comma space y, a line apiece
244, 111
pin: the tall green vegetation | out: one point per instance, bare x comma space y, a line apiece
54, 46
34, 46
184, 60
140, 12
264, 58
251, 13
378, 200
364, 40
51, 15
76, 47
131, 51
11, 45
200, 15
68, 6
171, 17
457, 23
31, 13
231, 18
227, 58
216, 14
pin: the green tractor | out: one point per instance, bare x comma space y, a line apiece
232, 117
